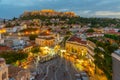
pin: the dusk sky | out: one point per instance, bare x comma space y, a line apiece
84, 8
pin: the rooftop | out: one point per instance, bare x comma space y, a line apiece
116, 33
4, 48
47, 33
47, 38
76, 39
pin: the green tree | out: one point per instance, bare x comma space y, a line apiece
8, 25
33, 36
118, 30
103, 59
13, 56
14, 18
90, 30
29, 30
35, 50
68, 33
64, 40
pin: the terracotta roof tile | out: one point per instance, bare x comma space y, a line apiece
3, 48
76, 39
117, 33
47, 38
45, 33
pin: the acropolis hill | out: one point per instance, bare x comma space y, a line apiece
49, 13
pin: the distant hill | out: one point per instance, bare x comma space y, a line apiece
46, 14
1, 19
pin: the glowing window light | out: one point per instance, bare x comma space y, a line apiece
37, 31
33, 33
0, 31
26, 32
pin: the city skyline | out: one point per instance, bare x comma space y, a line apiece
84, 8
59, 40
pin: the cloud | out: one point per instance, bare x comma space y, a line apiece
84, 13
63, 9
85, 8
107, 13
110, 14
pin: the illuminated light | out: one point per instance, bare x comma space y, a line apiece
25, 26
3, 30
63, 51
19, 34
30, 53
10, 33
46, 47
37, 31
32, 32
25, 67
102, 56
47, 32
79, 61
78, 66
26, 32
0, 31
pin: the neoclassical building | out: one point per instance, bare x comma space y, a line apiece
46, 39
76, 45
27, 48
3, 70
